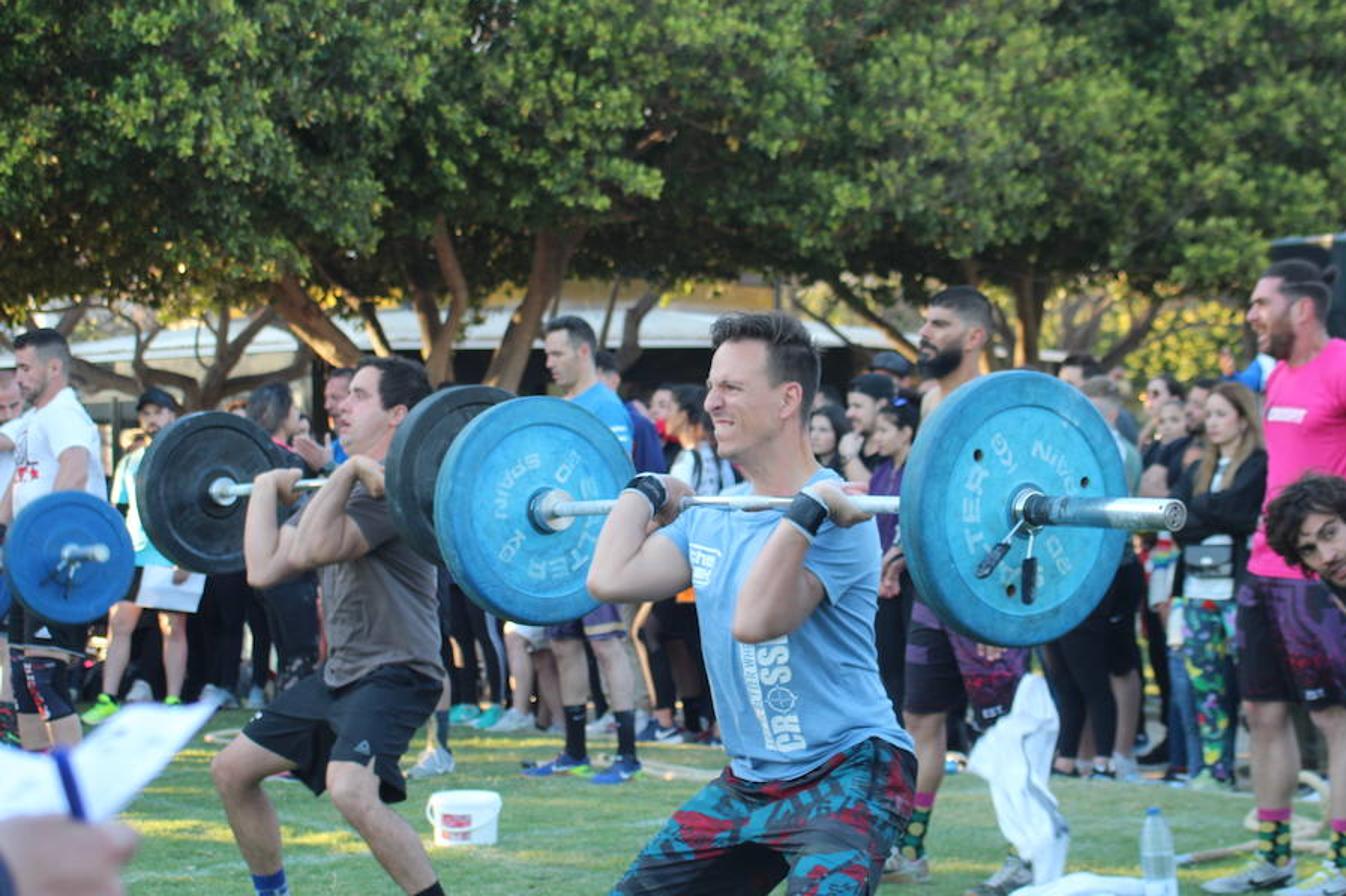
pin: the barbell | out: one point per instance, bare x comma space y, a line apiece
192, 480
1013, 508
69, 558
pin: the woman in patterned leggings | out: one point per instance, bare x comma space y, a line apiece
1223, 492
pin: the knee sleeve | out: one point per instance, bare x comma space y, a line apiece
41, 688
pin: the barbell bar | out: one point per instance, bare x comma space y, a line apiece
552, 509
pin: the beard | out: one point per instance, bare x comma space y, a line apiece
1280, 341
938, 364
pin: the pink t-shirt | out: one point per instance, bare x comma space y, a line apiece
1305, 421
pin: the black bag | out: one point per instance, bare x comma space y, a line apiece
1209, 561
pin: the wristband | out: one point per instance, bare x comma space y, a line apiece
650, 487
807, 513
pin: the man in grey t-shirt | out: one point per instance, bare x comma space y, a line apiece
345, 727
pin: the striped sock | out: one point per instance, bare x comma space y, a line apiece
1273, 836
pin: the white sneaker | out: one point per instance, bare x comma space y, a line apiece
256, 698
1258, 874
513, 720
1326, 881
215, 694
898, 869
1125, 768
1014, 873
434, 761
140, 692
604, 724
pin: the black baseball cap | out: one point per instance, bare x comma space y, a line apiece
156, 396
891, 361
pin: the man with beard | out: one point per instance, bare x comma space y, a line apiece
1289, 629
867, 393
158, 583
947, 671
58, 450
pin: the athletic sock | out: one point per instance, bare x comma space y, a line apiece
442, 727
626, 733
1273, 836
692, 713
912, 844
433, 890
271, 884
576, 717
1339, 843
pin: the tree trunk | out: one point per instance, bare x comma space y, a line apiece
1029, 295
378, 340
857, 304
608, 312
439, 337
630, 350
1136, 334
551, 257
310, 324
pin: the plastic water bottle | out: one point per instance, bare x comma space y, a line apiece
1157, 867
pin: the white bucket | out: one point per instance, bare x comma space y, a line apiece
464, 817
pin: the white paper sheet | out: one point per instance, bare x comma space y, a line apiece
111, 766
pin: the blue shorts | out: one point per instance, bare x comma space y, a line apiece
601, 624
828, 831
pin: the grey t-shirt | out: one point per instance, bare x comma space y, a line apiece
381, 609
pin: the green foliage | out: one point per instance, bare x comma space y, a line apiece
1186, 341
154, 148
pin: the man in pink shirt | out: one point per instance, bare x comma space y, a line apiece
1291, 635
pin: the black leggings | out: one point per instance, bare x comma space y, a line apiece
468, 625
215, 633
292, 615
1081, 664
890, 638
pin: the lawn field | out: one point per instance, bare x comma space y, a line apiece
566, 837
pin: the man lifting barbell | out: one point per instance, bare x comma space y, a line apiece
787, 611
345, 727
58, 450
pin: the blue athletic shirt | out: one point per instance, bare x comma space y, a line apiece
787, 705
604, 404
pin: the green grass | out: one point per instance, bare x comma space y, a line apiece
571, 837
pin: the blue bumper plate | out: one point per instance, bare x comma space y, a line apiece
499, 463
76, 592
988, 441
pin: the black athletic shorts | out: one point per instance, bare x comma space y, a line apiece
1116, 618
312, 724
27, 629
